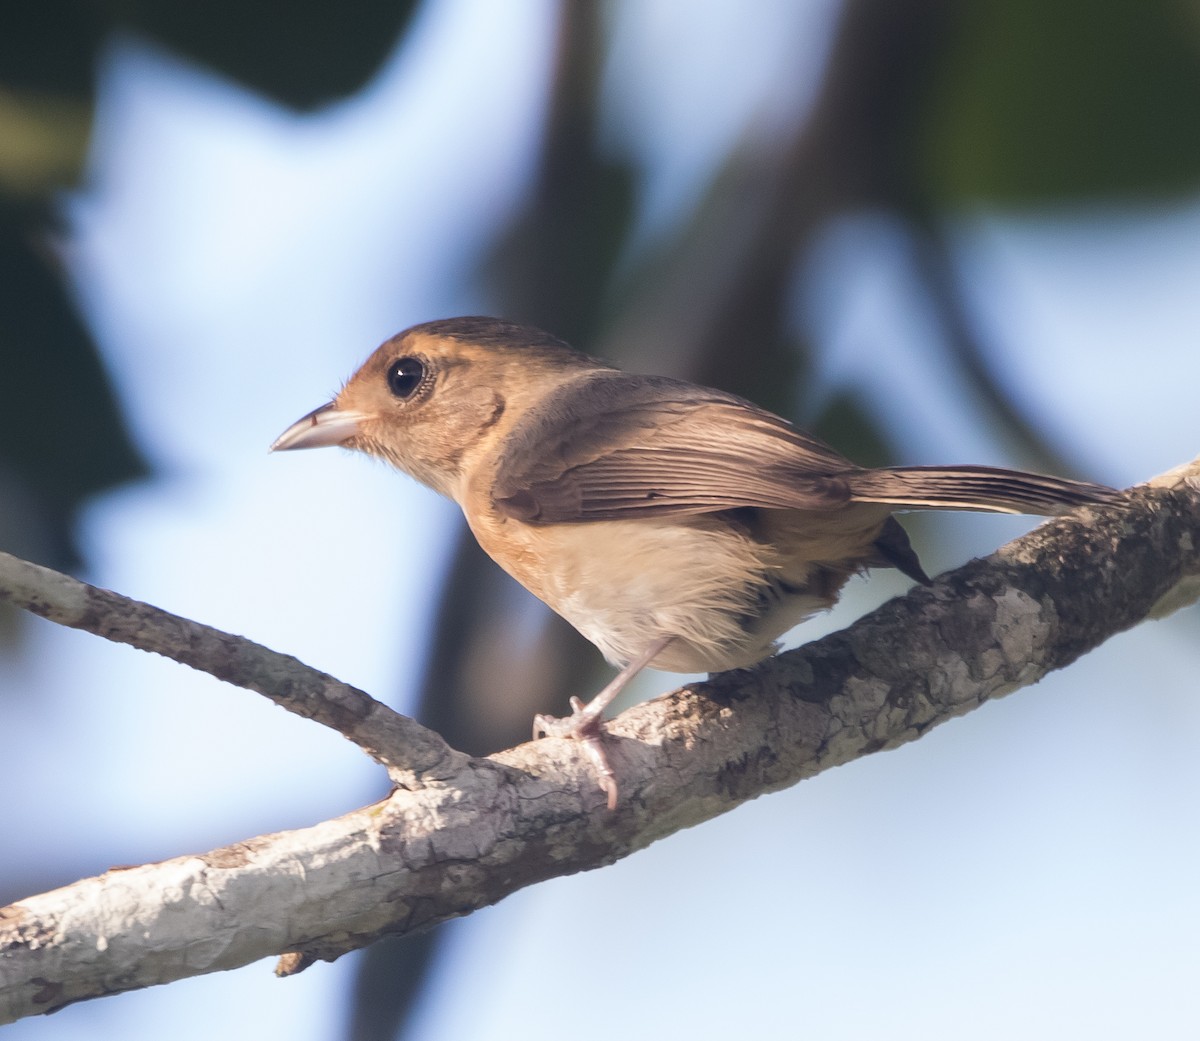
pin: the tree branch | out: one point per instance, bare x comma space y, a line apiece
491, 826
412, 753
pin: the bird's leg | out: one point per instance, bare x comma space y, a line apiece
583, 724
586, 717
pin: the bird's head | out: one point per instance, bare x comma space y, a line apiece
437, 397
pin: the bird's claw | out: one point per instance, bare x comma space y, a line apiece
582, 726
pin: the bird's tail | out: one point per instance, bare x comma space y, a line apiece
974, 488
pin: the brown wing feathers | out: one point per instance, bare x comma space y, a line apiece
610, 446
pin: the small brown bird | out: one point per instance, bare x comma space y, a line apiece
673, 525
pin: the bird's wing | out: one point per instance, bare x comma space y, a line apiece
612, 445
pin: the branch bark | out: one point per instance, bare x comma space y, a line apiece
408, 750
470, 832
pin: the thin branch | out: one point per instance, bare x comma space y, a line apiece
533, 812
412, 753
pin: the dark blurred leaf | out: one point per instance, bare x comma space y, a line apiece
47, 57
300, 52
61, 433
51, 46
1049, 102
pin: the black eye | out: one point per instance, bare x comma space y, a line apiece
404, 376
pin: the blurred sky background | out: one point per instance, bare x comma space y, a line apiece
1029, 870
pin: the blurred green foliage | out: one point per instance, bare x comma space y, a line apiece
302, 53
1054, 103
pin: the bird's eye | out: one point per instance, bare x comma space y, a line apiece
404, 376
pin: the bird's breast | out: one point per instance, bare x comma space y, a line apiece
703, 580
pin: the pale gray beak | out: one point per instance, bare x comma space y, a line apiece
322, 427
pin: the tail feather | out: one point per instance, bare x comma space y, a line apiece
974, 488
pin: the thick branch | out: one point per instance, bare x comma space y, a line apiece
410, 751
498, 824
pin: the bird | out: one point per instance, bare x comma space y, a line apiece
675, 526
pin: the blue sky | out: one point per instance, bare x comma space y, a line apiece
1028, 869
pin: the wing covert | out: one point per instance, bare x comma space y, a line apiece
612, 445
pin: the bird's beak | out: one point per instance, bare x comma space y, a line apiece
322, 427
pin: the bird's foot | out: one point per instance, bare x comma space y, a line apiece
583, 725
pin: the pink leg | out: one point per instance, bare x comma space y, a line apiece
584, 722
